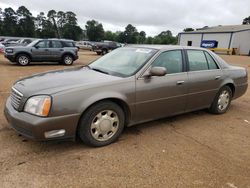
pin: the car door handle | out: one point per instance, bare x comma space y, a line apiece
217, 77
46, 50
61, 50
180, 82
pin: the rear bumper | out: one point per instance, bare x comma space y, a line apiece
240, 90
34, 127
76, 57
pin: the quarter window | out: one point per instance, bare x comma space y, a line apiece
197, 60
171, 60
211, 63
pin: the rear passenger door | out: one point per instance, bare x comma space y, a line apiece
205, 78
56, 50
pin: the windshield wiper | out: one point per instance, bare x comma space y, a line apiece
99, 70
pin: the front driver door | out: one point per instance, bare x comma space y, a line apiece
158, 97
40, 51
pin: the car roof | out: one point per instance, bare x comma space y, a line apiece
163, 47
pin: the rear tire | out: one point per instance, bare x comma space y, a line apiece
221, 101
23, 59
101, 124
104, 51
67, 60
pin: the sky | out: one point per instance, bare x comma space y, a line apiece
150, 16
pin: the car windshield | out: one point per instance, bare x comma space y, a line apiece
123, 62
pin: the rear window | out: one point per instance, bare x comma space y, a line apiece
68, 44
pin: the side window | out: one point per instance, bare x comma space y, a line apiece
56, 44
171, 60
211, 63
43, 44
197, 60
68, 44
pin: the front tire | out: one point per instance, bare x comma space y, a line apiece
222, 101
67, 60
101, 124
104, 51
23, 59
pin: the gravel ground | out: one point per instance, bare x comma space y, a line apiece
192, 150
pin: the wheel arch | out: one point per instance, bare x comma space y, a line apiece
67, 53
23, 53
120, 102
232, 87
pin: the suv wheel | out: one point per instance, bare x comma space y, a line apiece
104, 51
101, 124
23, 60
68, 60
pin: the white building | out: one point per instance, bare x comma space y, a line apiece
226, 37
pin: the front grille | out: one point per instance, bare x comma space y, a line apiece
16, 98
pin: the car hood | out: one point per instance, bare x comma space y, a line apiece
61, 80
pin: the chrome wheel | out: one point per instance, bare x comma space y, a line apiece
223, 100
23, 60
68, 60
104, 125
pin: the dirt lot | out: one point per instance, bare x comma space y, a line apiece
192, 150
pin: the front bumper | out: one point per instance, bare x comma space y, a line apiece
34, 127
10, 57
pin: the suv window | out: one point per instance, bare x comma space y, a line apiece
197, 60
43, 44
27, 41
211, 63
68, 44
171, 60
56, 44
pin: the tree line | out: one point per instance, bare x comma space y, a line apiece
21, 23
95, 32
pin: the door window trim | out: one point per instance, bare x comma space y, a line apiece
184, 63
187, 60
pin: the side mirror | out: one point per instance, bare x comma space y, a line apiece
158, 71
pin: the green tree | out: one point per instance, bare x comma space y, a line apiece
52, 15
150, 40
95, 31
188, 29
109, 35
165, 37
131, 34
9, 22
44, 27
26, 23
70, 29
246, 21
142, 37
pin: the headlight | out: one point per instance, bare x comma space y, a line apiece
38, 105
9, 50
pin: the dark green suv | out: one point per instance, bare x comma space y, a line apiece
41, 50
